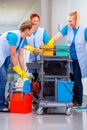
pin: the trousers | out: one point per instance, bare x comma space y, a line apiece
78, 87
3, 81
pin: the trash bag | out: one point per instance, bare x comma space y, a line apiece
49, 88
55, 68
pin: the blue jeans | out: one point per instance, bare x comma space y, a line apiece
78, 87
3, 81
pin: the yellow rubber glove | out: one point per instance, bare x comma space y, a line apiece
24, 76
30, 48
51, 42
40, 51
20, 72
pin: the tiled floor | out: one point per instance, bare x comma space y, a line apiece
56, 121
31, 121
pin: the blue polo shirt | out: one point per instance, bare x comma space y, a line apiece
13, 39
64, 31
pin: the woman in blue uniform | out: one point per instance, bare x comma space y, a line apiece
38, 38
77, 38
11, 44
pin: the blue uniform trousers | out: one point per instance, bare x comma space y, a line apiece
78, 87
3, 81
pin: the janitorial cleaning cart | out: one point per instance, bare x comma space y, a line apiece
56, 87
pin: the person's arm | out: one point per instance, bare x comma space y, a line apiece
13, 55
29, 47
21, 58
46, 37
85, 33
12, 39
59, 35
55, 38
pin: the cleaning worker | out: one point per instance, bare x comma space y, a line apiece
38, 38
12, 46
77, 38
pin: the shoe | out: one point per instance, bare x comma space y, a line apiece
5, 110
76, 104
74, 101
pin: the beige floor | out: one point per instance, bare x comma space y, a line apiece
32, 121
50, 121
47, 121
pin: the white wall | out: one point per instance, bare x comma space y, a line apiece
61, 8
46, 15
43, 8
36, 8
81, 7
59, 13
3, 29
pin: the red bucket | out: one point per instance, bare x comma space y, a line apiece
20, 103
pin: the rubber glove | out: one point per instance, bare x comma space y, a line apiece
20, 72
51, 42
36, 51
30, 48
40, 51
24, 76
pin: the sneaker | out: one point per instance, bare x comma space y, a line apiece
5, 110
75, 105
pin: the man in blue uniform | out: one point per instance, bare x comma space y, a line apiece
11, 44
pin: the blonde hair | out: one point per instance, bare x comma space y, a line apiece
26, 25
76, 16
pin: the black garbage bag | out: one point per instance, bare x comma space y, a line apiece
55, 68
49, 88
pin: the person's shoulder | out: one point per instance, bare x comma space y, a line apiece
82, 27
41, 28
12, 35
65, 27
13, 32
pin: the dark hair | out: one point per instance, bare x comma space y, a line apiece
34, 15
26, 25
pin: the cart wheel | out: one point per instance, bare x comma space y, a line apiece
40, 111
68, 111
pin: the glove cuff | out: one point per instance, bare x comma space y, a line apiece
18, 70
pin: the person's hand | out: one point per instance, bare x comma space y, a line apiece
51, 42
30, 48
20, 72
40, 51
36, 51
24, 76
